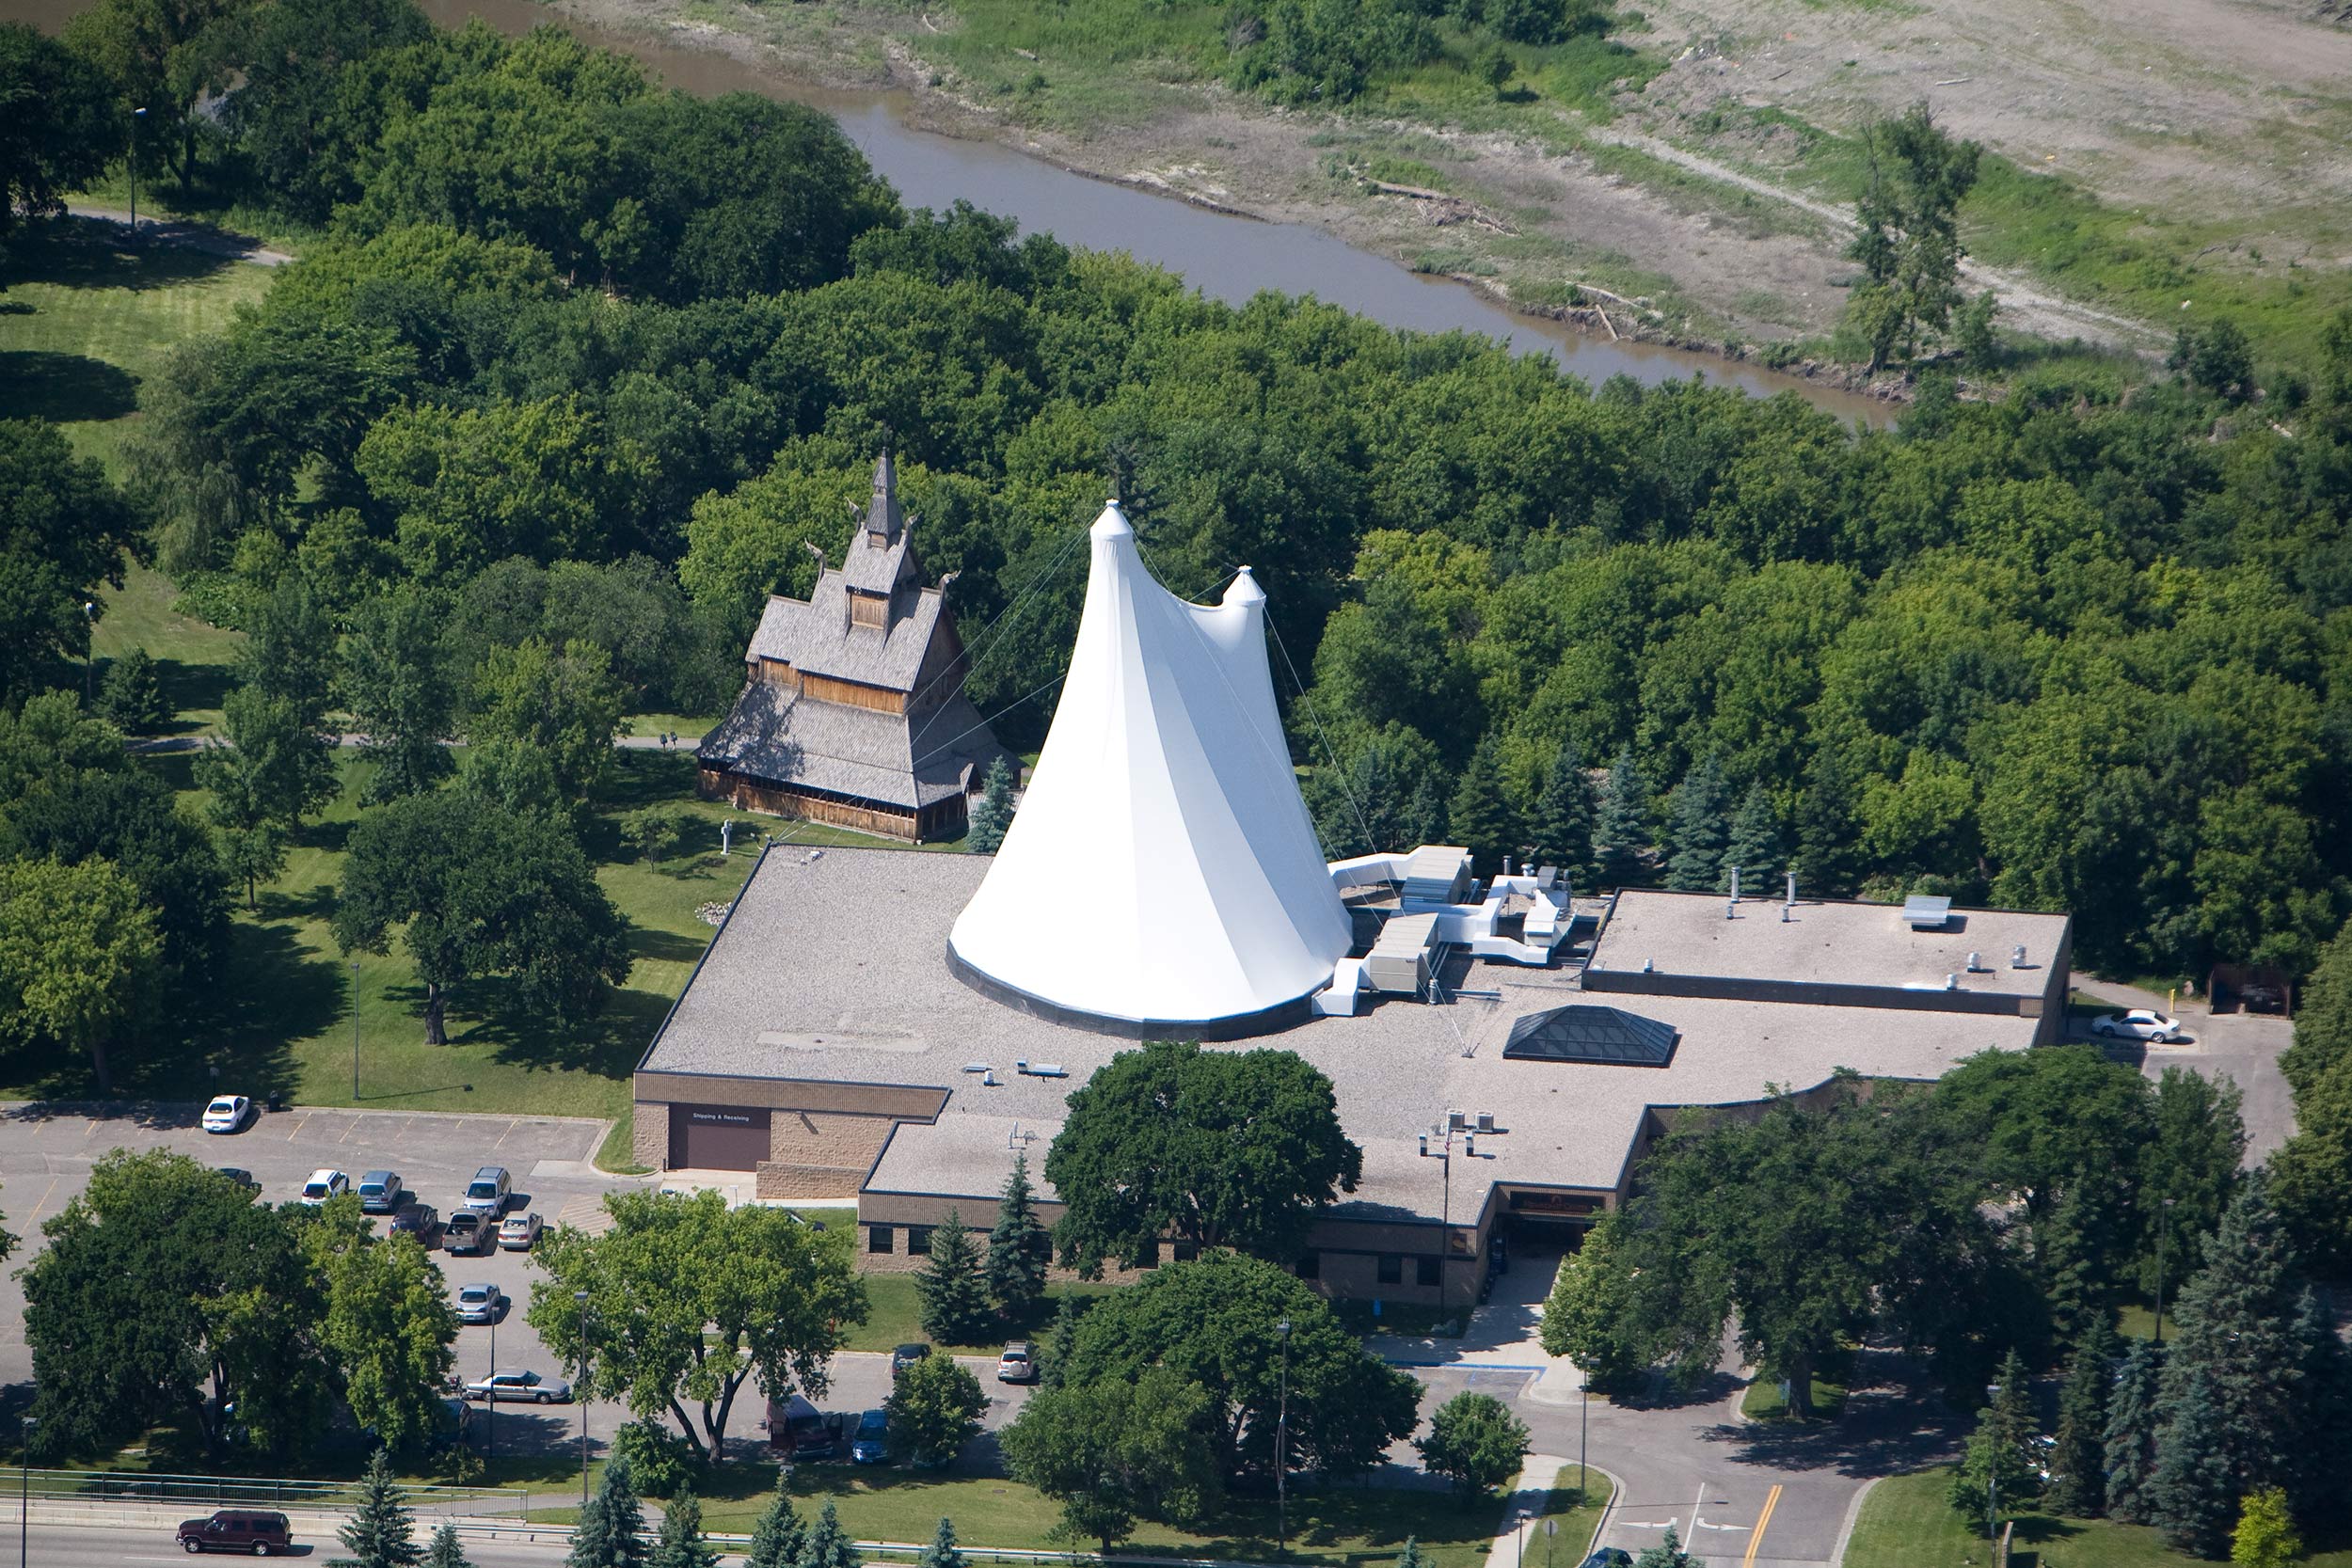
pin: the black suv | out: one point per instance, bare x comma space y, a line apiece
237, 1529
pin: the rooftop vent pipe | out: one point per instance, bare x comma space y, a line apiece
1792, 884
1731, 908
1788, 912
1735, 884
2017, 957
1952, 982
1975, 963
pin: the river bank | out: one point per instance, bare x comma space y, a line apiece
1752, 296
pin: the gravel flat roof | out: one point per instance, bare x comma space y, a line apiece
1826, 943
832, 969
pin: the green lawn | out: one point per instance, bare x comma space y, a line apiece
85, 318
281, 1017
1907, 1523
1336, 1526
192, 658
1762, 1401
895, 1316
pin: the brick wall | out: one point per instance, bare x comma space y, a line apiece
649, 1141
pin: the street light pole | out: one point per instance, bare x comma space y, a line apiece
580, 1393
355, 1059
136, 115
491, 1432
1282, 1448
1445, 1219
1583, 1426
25, 1492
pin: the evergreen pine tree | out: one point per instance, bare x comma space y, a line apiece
612, 1528
2079, 1250
2000, 1450
2192, 1496
1622, 832
1755, 845
942, 1551
2237, 1341
1425, 816
680, 1544
1411, 1556
381, 1533
1829, 828
955, 1308
992, 816
2325, 1365
1019, 1248
1668, 1553
132, 698
777, 1539
447, 1552
828, 1545
1055, 1349
1700, 831
1562, 828
1483, 821
2079, 1459
2133, 1407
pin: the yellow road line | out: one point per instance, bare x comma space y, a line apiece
44, 1201
1756, 1536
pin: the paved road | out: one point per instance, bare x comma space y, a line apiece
72, 1547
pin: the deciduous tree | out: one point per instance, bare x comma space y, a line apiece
389, 1325
1212, 1321
1588, 1316
80, 957
687, 1301
477, 890
64, 531
1113, 1450
396, 686
62, 128
935, 1408
1474, 1442
1908, 239
1219, 1148
565, 706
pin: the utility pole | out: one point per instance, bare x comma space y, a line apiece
581, 1394
25, 1492
1282, 1448
491, 1432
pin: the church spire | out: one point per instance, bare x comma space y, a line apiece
883, 520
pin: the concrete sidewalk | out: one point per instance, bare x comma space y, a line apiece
1501, 1336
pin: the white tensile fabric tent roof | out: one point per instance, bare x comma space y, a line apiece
1162, 867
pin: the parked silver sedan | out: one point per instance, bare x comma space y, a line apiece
518, 1231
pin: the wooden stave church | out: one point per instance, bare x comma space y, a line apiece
853, 710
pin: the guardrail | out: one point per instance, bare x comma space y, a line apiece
139, 1487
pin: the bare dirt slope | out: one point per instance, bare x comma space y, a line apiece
2242, 107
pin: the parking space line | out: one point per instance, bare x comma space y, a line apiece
44, 1201
295, 1131
508, 1134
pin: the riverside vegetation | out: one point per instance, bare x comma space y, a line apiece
581, 366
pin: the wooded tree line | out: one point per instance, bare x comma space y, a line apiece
2068, 650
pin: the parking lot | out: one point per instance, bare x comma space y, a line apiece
45, 1159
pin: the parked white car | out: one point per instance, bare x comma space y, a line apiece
227, 1113
2140, 1023
323, 1185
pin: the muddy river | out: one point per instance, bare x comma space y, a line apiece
1226, 256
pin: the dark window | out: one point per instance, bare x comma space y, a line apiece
878, 1238
1185, 1252
1391, 1268
1424, 1271
918, 1241
1311, 1265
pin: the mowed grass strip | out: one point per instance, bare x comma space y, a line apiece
1359, 1524
1909, 1521
85, 317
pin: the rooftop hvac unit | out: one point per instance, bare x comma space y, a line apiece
975, 1067
1486, 1121
1455, 1121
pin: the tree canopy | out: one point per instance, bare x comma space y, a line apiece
1219, 1148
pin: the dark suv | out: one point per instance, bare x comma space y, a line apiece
237, 1529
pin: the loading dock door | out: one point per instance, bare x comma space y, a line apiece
717, 1137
